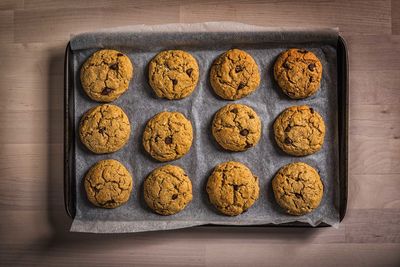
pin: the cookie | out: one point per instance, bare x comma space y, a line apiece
173, 74
104, 129
299, 131
236, 127
298, 73
232, 188
105, 76
168, 136
108, 184
167, 190
234, 75
298, 188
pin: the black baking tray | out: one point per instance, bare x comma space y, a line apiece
343, 111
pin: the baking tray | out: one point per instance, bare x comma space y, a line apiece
342, 105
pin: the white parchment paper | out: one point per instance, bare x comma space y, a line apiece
205, 41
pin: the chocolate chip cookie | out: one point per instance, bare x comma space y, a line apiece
234, 75
236, 127
298, 188
298, 73
173, 74
105, 76
168, 136
232, 188
299, 130
167, 190
108, 184
104, 129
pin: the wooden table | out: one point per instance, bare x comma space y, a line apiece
34, 226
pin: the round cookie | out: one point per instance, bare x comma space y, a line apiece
168, 136
105, 76
236, 127
232, 188
108, 184
167, 190
298, 73
299, 131
234, 75
104, 129
173, 74
298, 188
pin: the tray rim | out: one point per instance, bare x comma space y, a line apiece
343, 122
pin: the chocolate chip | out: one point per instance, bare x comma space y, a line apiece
248, 145
312, 110
174, 196
241, 85
244, 132
311, 66
107, 91
311, 79
288, 141
235, 110
251, 116
287, 129
235, 187
174, 82
168, 140
303, 51
238, 68
286, 65
114, 66
189, 71
120, 55
109, 202
102, 130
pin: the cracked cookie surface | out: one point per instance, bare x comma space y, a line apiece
232, 188
105, 76
167, 190
298, 73
298, 188
104, 129
236, 127
168, 136
234, 75
108, 184
173, 74
299, 131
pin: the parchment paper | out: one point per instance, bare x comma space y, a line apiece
205, 41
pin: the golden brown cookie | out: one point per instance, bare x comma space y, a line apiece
173, 74
108, 184
234, 75
168, 136
236, 127
105, 76
167, 190
232, 188
299, 131
298, 73
298, 189
104, 129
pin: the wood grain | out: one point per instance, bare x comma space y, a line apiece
11, 4
34, 226
35, 24
350, 16
6, 26
395, 17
